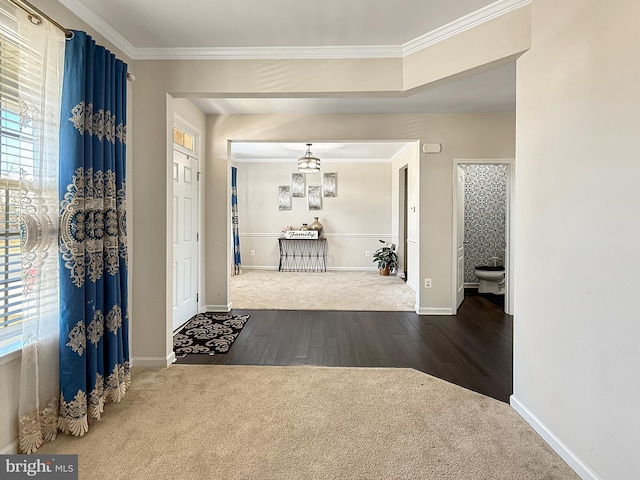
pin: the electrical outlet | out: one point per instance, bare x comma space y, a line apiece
366, 253
427, 283
252, 252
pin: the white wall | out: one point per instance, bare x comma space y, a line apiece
353, 221
576, 352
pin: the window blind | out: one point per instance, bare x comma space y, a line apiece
17, 154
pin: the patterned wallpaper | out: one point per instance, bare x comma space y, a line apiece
485, 205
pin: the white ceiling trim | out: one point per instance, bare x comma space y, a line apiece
101, 27
496, 9
471, 20
255, 53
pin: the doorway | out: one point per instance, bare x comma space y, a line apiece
482, 232
403, 218
375, 200
186, 226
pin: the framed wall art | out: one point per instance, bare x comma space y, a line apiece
297, 185
314, 197
284, 197
330, 184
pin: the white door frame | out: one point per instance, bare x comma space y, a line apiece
182, 124
509, 224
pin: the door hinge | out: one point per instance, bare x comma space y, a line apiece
197, 236
197, 297
199, 173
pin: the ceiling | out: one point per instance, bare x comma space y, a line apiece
146, 29
272, 23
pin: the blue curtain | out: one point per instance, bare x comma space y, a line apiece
237, 264
94, 320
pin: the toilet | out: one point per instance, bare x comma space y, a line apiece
491, 279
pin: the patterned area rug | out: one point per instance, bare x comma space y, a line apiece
208, 333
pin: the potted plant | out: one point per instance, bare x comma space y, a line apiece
386, 257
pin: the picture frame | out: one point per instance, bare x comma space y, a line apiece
284, 197
297, 185
330, 184
314, 197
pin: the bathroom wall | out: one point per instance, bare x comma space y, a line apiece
485, 206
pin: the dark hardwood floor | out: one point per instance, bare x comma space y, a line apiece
472, 349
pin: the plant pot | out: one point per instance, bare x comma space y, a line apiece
384, 271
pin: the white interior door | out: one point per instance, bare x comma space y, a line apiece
185, 238
460, 237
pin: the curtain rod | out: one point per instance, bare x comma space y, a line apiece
34, 15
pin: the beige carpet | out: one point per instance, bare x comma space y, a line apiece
242, 422
333, 290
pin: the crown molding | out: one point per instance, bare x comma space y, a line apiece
102, 27
256, 53
471, 20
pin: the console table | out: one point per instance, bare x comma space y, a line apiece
303, 255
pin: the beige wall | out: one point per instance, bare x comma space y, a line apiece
576, 353
485, 46
353, 221
408, 157
461, 136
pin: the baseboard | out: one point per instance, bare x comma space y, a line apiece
352, 269
10, 449
218, 308
412, 287
154, 361
553, 441
329, 269
435, 311
375, 236
171, 358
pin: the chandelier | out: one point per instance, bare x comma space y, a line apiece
308, 163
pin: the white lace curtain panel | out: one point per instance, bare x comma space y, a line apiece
37, 54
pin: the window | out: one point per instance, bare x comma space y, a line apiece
184, 139
17, 147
